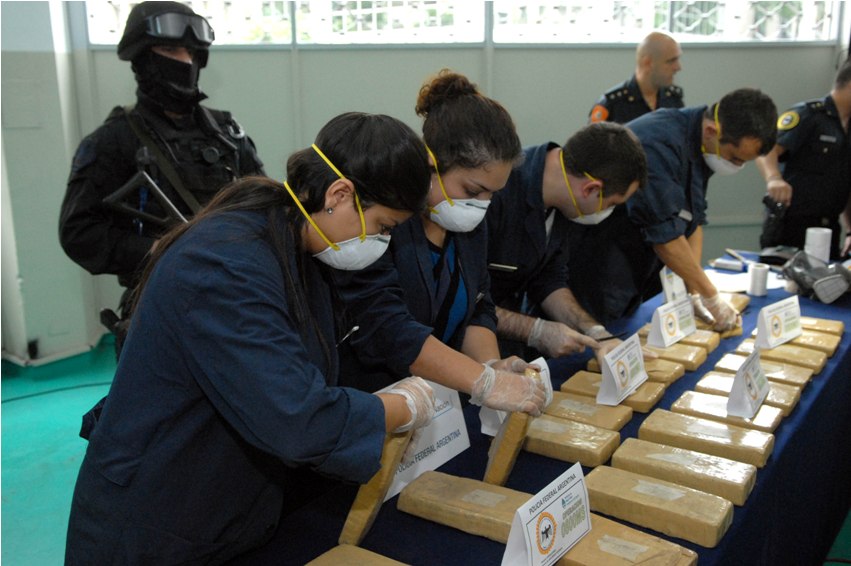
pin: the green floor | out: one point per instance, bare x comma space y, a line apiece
41, 453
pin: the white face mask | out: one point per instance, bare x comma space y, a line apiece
594, 218
461, 215
717, 163
720, 165
586, 219
355, 254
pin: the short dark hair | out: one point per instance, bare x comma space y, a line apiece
843, 75
746, 113
609, 152
463, 127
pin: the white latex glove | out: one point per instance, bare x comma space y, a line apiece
700, 311
506, 391
513, 364
726, 317
419, 397
519, 365
554, 339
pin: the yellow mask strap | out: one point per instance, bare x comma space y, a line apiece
357, 199
718, 127
567, 182
439, 179
599, 206
309, 219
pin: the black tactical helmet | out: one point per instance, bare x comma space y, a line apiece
164, 23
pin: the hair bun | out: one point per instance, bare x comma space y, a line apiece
446, 85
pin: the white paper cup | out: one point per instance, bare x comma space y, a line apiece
758, 283
817, 243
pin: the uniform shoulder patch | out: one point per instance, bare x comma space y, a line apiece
599, 113
675, 91
788, 120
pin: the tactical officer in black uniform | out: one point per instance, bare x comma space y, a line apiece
154, 163
813, 187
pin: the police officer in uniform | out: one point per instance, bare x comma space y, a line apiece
814, 181
157, 162
657, 60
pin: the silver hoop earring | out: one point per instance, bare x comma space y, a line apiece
329, 210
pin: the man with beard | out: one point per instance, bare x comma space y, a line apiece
156, 162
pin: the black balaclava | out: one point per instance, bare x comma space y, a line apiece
170, 83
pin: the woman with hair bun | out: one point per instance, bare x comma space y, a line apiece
425, 307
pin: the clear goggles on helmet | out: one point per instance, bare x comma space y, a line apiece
172, 25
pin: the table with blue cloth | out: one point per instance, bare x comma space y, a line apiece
792, 516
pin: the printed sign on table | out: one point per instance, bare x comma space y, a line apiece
750, 388
671, 323
673, 286
443, 439
623, 371
550, 523
778, 323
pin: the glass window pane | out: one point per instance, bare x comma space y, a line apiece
396, 22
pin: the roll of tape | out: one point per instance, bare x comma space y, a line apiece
758, 282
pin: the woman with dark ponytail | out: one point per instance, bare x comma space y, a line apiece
425, 308
225, 398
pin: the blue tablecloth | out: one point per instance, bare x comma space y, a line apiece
792, 516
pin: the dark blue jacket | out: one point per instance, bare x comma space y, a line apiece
520, 259
218, 395
392, 304
613, 266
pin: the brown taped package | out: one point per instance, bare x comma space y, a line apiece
720, 476
505, 447
707, 436
610, 543
668, 508
658, 370
371, 494
784, 397
507, 443
570, 441
821, 341
775, 371
690, 356
585, 410
702, 338
823, 325
642, 399
787, 354
714, 407
348, 555
733, 332
469, 505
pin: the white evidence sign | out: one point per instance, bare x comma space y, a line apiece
673, 286
778, 323
550, 523
623, 372
671, 323
443, 439
750, 388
